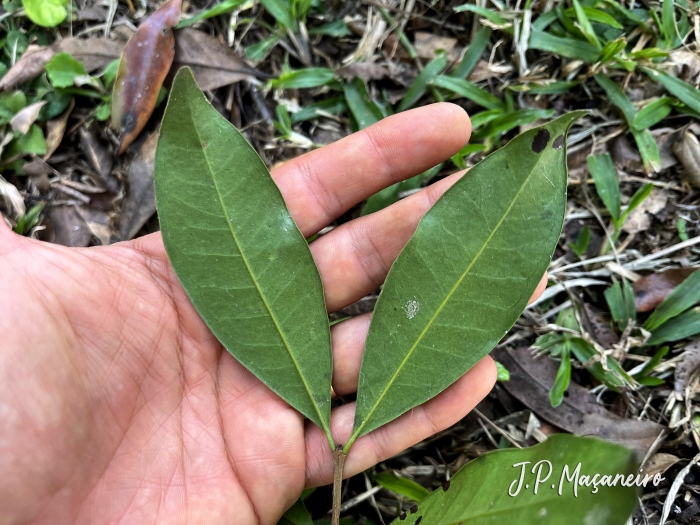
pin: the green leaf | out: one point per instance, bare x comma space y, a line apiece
508, 121
296, 515
502, 372
551, 88
406, 487
611, 49
585, 25
645, 140
489, 14
650, 365
219, 9
562, 379
466, 89
484, 117
239, 255
595, 15
337, 29
487, 489
583, 239
29, 219
498, 227
331, 106
473, 54
281, 11
304, 78
63, 70
620, 299
668, 22
652, 113
420, 84
679, 89
683, 296
361, 106
605, 177
46, 13
613, 375
638, 197
567, 47
680, 327
258, 51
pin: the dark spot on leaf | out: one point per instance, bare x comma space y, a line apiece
540, 141
164, 31
129, 121
418, 520
204, 145
414, 509
403, 516
558, 142
446, 485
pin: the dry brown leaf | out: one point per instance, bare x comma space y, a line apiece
651, 289
98, 223
660, 463
213, 64
688, 152
11, 201
24, 118
690, 363
94, 53
427, 46
640, 220
30, 65
56, 128
144, 64
363, 70
100, 158
531, 380
484, 71
68, 228
140, 202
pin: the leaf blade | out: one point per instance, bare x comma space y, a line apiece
256, 287
388, 366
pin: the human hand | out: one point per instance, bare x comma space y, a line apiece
119, 405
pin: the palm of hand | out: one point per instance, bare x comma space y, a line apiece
119, 405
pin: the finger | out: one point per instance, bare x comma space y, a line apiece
321, 185
348, 345
419, 423
354, 258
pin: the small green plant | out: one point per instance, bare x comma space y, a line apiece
249, 272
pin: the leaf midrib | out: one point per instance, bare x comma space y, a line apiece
252, 277
442, 305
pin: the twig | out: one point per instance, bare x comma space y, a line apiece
338, 464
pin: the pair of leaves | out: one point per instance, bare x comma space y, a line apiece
455, 290
675, 318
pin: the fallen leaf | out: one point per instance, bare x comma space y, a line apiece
659, 463
11, 201
532, 378
651, 289
30, 65
690, 363
213, 64
595, 323
640, 220
68, 228
484, 71
56, 128
24, 119
427, 46
688, 152
98, 223
94, 53
144, 64
140, 202
684, 64
363, 70
100, 159
666, 138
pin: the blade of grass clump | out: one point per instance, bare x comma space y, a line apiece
605, 177
644, 139
422, 81
564, 46
473, 54
679, 89
680, 299
491, 236
239, 255
469, 91
502, 487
